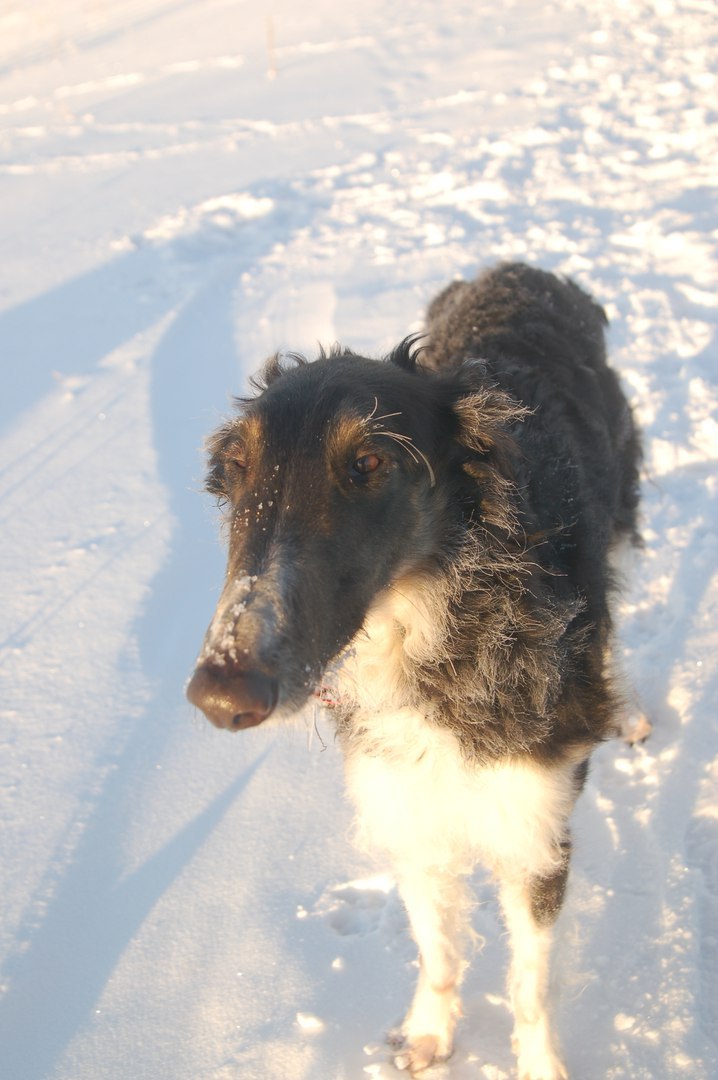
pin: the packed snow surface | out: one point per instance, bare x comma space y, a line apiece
184, 188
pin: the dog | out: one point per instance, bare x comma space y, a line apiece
424, 542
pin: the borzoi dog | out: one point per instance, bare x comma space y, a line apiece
423, 542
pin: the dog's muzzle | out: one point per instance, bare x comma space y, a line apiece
232, 699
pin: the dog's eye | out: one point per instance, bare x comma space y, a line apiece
367, 463
237, 459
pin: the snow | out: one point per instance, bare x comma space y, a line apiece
185, 188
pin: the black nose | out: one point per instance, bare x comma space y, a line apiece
233, 700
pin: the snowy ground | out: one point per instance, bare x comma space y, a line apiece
182, 905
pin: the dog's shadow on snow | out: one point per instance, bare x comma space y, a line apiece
94, 914
70, 944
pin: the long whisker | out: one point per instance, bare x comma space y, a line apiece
387, 416
403, 440
413, 451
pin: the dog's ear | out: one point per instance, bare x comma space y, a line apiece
279, 364
215, 447
486, 417
407, 352
272, 369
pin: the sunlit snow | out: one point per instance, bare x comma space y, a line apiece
184, 189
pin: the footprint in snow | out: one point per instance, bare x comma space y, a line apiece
362, 907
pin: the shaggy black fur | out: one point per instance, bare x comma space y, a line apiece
574, 467
508, 466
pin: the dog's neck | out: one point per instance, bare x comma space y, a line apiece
403, 629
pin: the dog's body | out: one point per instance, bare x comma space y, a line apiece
426, 544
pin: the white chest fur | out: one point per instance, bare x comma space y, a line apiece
417, 796
422, 803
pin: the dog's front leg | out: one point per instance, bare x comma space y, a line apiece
531, 907
437, 903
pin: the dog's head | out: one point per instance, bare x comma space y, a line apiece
338, 478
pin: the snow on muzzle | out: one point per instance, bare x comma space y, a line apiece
228, 685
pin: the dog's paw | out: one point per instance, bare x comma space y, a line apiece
549, 1071
539, 1063
427, 1034
420, 1052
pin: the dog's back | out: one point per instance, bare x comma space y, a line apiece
541, 338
